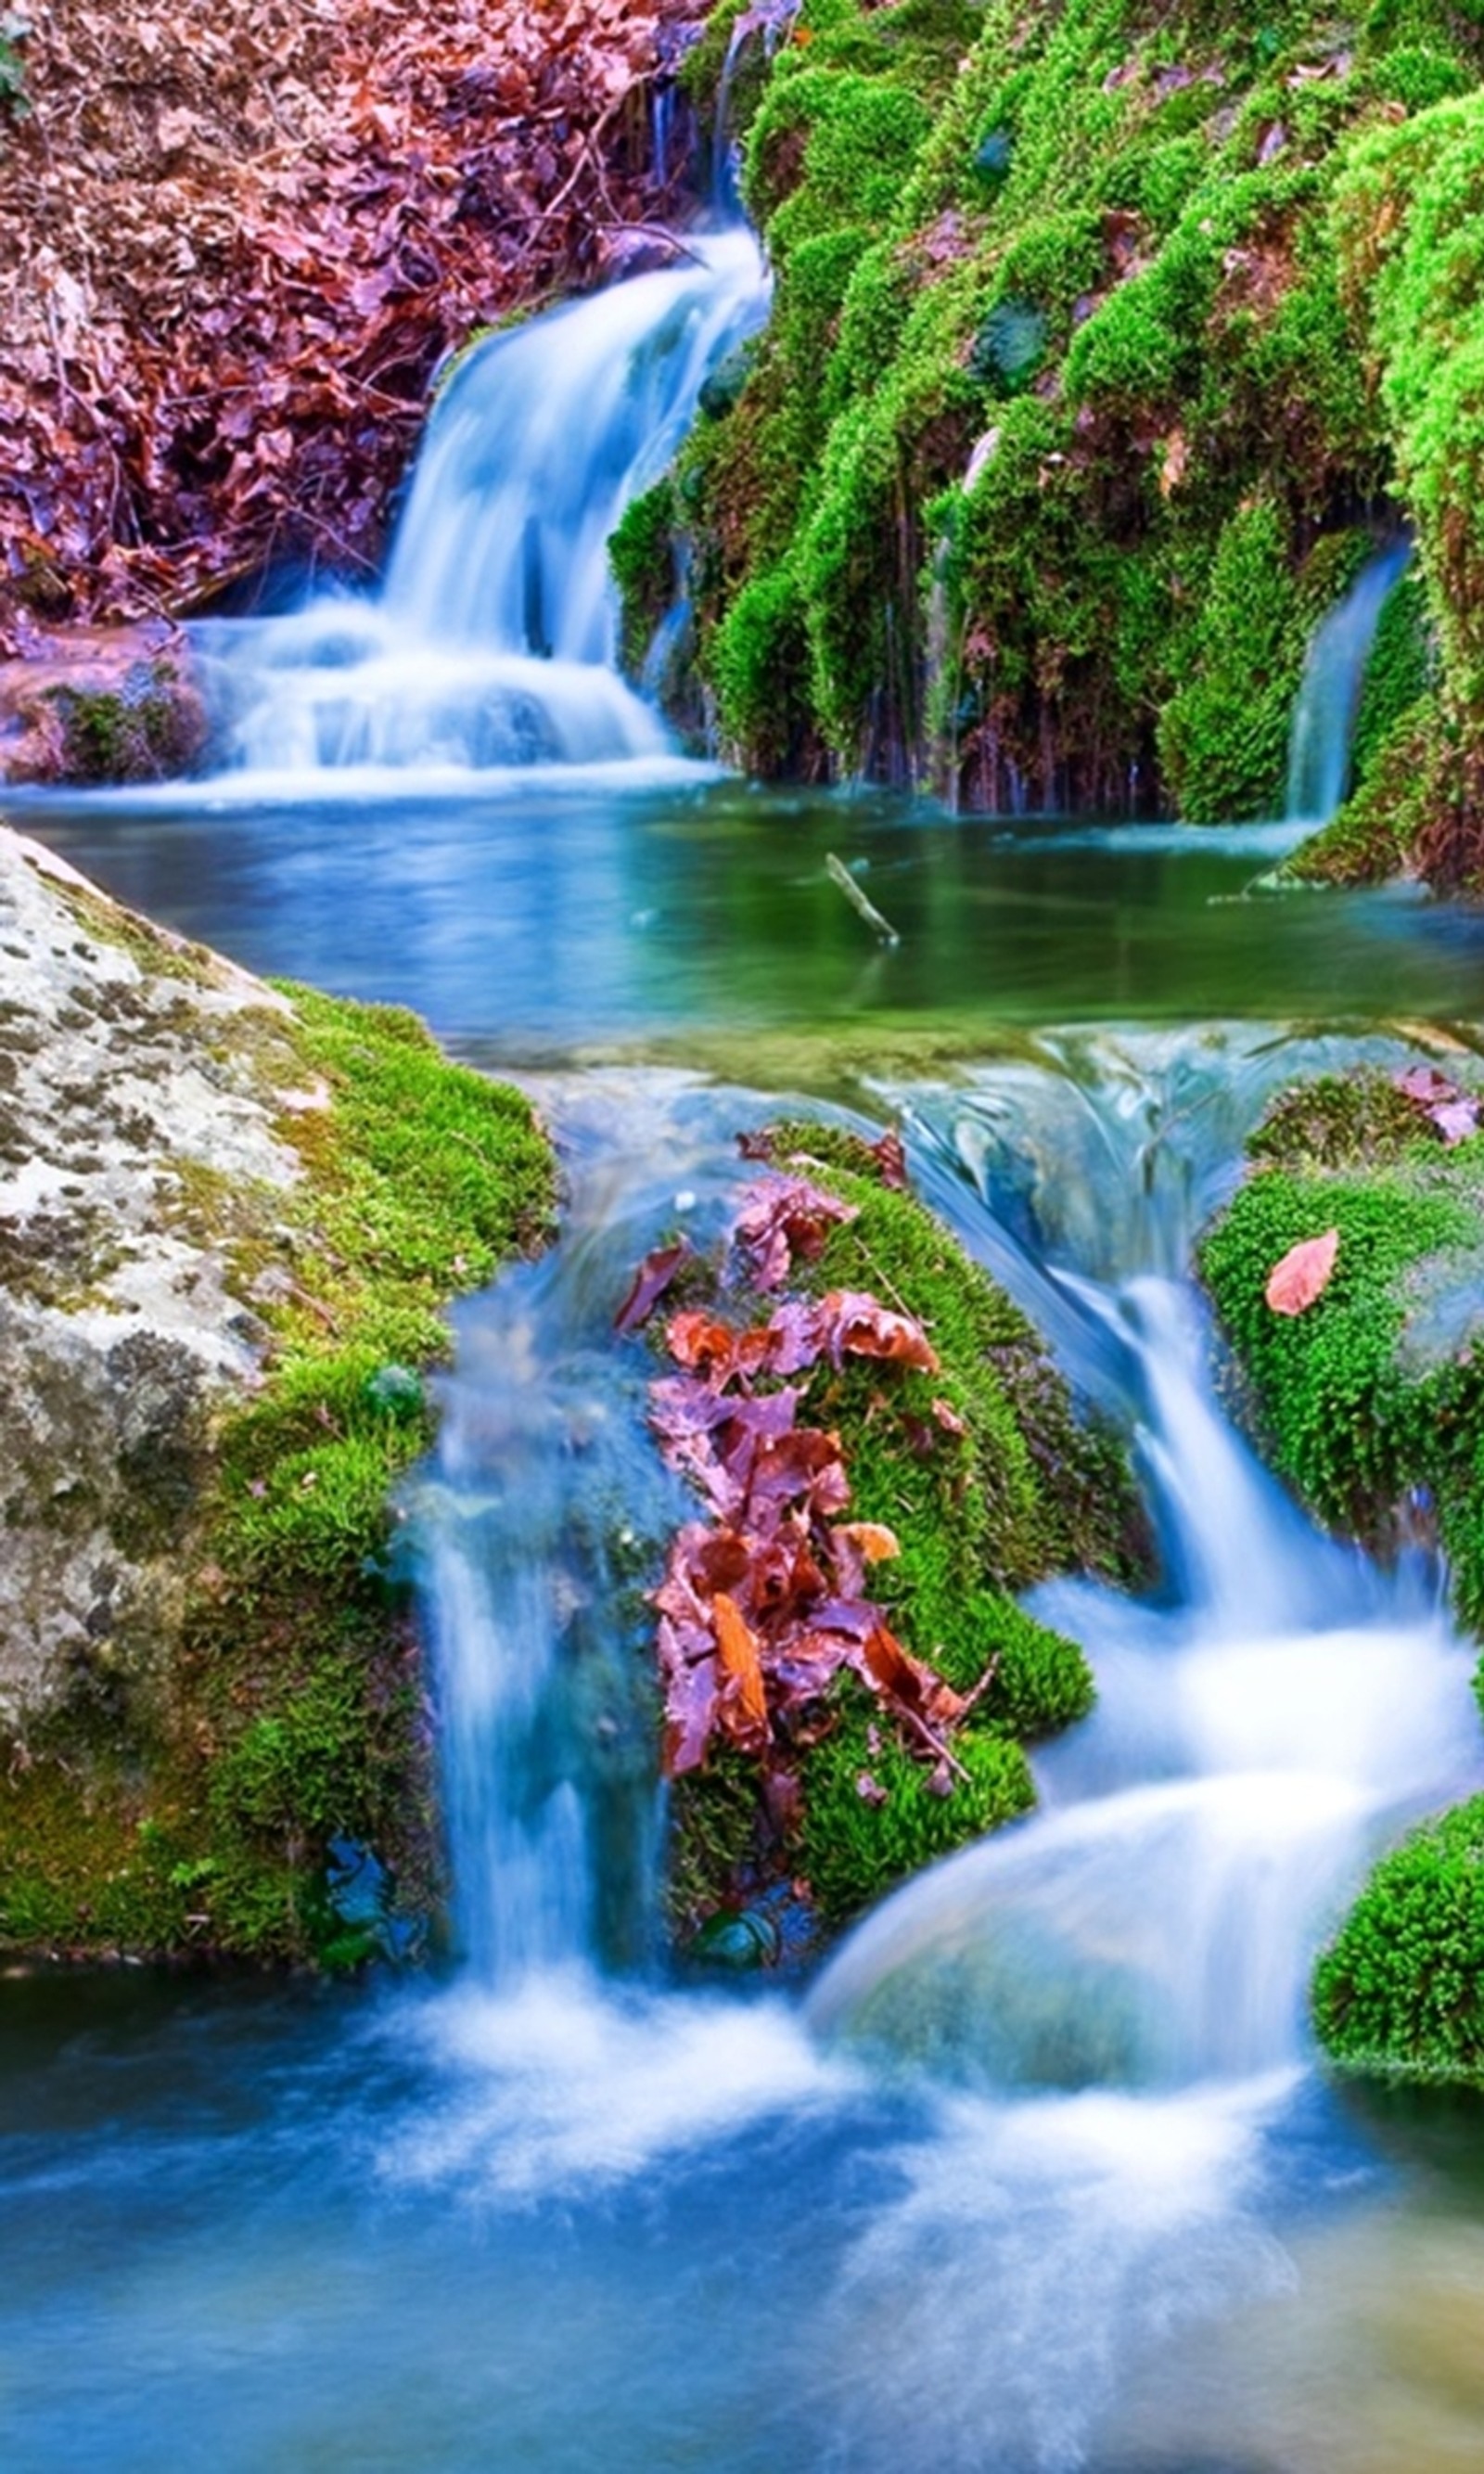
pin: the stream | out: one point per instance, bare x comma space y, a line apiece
1037, 2173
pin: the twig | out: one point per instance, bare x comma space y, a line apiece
980, 1689
934, 1742
839, 874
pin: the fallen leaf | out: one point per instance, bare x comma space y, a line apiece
1304, 1274
737, 1653
649, 1284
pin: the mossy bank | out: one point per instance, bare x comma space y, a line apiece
1107, 342
986, 1478
230, 1218
1372, 1404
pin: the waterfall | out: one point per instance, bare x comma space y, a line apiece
1334, 672
1278, 1706
491, 641
1264, 1724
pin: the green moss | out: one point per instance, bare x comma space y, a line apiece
147, 730
1399, 675
642, 555
1400, 1988
293, 1713
856, 1848
1373, 1395
1134, 252
990, 1481
1223, 738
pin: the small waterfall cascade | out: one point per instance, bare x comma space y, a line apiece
539, 1522
491, 641
1334, 672
1275, 1707
1263, 1724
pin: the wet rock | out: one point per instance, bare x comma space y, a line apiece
101, 704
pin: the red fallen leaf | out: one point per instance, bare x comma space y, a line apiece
783, 1216
649, 1284
1456, 1119
802, 1465
737, 1654
1303, 1274
1424, 1084
855, 1323
891, 1161
697, 1340
948, 1418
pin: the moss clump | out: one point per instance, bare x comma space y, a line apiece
1400, 1988
989, 1482
149, 729
205, 1812
1062, 394
1386, 821
641, 553
1371, 1398
871, 1818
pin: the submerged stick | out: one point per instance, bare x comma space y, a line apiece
860, 901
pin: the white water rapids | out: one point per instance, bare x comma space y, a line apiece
1107, 2000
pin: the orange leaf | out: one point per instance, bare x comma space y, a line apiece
1302, 1275
737, 1649
876, 1543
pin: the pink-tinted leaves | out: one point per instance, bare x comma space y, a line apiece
1453, 1112
784, 1217
649, 1284
1303, 1274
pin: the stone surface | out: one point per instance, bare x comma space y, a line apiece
101, 704
123, 1098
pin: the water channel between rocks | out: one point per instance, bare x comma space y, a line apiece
1038, 2174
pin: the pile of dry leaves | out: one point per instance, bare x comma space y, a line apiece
765, 1603
239, 237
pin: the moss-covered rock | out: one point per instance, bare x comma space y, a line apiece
988, 1480
1067, 408
1400, 1988
229, 1219
1372, 1400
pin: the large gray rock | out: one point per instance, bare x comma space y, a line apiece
132, 1100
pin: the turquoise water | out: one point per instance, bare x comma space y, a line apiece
406, 2226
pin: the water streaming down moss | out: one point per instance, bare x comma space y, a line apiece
1373, 1404
1059, 440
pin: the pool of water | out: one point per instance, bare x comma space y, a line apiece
533, 920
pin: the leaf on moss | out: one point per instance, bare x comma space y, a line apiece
737, 1655
1453, 1112
1302, 1275
649, 1284
785, 1218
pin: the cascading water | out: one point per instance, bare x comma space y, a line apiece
491, 641
1258, 1727
1100, 2009
1334, 672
